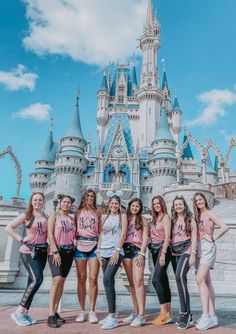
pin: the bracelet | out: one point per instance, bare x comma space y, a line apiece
22, 240
118, 249
193, 252
55, 252
143, 254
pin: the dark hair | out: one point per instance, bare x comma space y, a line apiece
29, 209
117, 198
60, 197
196, 210
138, 217
82, 205
187, 214
163, 208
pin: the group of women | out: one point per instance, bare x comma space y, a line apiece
113, 239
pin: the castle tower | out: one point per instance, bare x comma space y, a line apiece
149, 94
44, 165
163, 162
210, 171
102, 107
176, 120
189, 168
166, 93
71, 162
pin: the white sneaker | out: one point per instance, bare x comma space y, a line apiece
215, 321
102, 321
20, 319
80, 317
30, 319
197, 321
130, 318
204, 323
92, 318
138, 321
110, 323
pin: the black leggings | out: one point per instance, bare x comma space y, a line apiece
109, 272
35, 269
160, 279
182, 268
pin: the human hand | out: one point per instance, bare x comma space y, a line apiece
162, 259
98, 255
28, 238
139, 261
114, 258
56, 259
192, 259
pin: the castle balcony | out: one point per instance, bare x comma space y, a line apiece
224, 190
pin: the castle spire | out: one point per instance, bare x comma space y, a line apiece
187, 152
104, 85
46, 152
150, 16
75, 127
163, 131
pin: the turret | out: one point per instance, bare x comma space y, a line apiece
166, 92
210, 172
71, 162
176, 120
103, 100
163, 162
44, 165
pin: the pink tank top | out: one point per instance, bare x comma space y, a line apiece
179, 233
87, 224
205, 226
133, 235
38, 229
157, 231
64, 230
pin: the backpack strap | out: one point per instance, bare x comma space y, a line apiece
30, 222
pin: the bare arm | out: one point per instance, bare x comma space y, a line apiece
51, 239
223, 228
124, 224
145, 236
167, 229
13, 225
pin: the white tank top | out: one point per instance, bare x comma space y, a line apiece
111, 231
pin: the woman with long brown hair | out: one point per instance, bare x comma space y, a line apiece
33, 252
88, 226
134, 260
110, 252
160, 233
183, 245
61, 237
206, 256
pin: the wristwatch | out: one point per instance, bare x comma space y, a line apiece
55, 252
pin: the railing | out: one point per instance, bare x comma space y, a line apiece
224, 190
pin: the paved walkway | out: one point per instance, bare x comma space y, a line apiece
9, 299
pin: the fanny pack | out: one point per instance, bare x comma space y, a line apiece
178, 248
66, 248
130, 248
84, 244
154, 247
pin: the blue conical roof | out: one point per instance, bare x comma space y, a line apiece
46, 152
130, 86
75, 127
209, 167
176, 104
164, 81
104, 85
216, 164
113, 86
134, 77
187, 153
163, 131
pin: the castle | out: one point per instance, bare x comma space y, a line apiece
138, 151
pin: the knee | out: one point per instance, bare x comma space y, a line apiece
107, 281
200, 279
58, 280
93, 280
82, 277
139, 282
39, 281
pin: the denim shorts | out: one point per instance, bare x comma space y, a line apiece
131, 251
85, 255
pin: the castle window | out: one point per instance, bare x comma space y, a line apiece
71, 139
67, 158
120, 99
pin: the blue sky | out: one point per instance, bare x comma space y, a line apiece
50, 48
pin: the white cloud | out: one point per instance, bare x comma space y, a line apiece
86, 30
215, 100
227, 136
18, 78
37, 111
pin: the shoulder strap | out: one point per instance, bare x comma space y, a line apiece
30, 222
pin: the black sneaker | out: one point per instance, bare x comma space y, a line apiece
52, 321
185, 321
191, 322
60, 320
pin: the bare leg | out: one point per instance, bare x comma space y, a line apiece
53, 303
93, 282
202, 275
138, 277
127, 263
211, 295
81, 267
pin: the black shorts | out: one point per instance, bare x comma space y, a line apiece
66, 263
